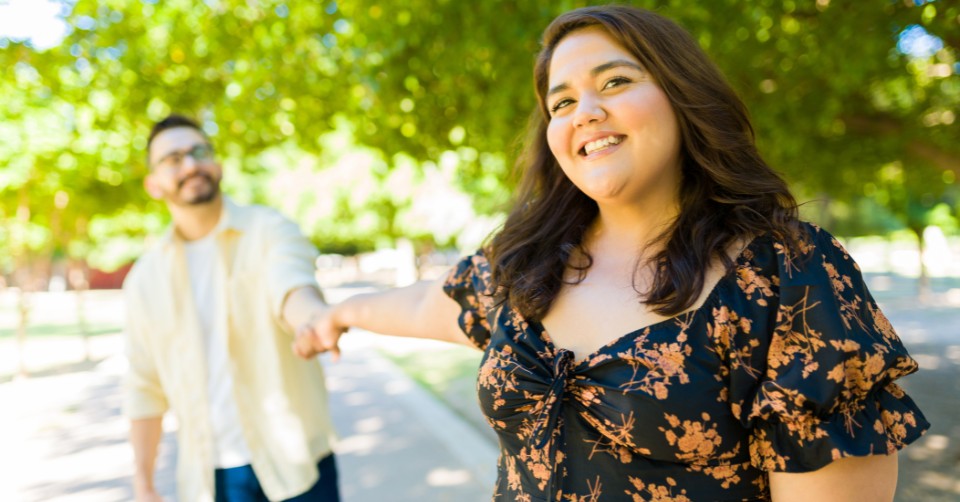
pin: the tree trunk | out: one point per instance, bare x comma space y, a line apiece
82, 323
923, 281
825, 218
77, 276
23, 307
23, 275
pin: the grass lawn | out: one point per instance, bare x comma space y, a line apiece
34, 330
54, 338
449, 372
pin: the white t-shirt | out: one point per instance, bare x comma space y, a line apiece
230, 449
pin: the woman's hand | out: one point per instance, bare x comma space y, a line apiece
421, 310
321, 333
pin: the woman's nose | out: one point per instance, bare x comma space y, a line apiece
589, 110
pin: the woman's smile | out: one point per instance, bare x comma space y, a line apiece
606, 144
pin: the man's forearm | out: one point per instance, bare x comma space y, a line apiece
145, 434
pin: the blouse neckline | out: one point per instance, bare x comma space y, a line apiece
583, 362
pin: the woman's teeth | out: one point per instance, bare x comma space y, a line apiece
601, 143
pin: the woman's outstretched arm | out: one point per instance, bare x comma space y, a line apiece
421, 310
872, 477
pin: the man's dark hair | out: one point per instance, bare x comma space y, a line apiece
170, 122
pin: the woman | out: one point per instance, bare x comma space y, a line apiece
657, 324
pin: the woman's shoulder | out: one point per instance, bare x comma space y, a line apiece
799, 239
471, 271
771, 264
806, 245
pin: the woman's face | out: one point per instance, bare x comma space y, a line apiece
612, 128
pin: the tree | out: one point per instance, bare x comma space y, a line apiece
834, 99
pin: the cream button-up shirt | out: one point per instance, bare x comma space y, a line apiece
281, 399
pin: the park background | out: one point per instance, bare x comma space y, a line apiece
389, 130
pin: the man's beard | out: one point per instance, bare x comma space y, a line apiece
198, 198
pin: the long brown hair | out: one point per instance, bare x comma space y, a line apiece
728, 193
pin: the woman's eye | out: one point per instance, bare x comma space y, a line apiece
615, 82
560, 104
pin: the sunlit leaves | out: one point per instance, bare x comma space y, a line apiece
834, 93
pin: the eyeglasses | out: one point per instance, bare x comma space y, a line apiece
174, 160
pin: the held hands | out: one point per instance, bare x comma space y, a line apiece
321, 333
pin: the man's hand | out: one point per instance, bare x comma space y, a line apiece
143, 491
147, 496
318, 335
145, 436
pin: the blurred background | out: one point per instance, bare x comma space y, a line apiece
388, 130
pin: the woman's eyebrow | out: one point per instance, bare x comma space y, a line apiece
616, 63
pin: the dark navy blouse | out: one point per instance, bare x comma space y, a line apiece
787, 366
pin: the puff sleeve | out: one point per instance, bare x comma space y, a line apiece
468, 284
823, 369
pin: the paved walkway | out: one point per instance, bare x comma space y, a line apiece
64, 439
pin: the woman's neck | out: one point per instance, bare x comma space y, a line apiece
630, 230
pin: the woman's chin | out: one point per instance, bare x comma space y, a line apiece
604, 191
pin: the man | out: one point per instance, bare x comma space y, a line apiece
211, 312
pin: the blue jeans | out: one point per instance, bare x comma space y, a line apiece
240, 484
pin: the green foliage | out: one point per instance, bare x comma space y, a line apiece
348, 115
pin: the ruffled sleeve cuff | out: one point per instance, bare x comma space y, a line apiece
797, 441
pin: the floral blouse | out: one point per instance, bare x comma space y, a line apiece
787, 366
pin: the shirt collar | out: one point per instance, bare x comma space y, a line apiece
230, 221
